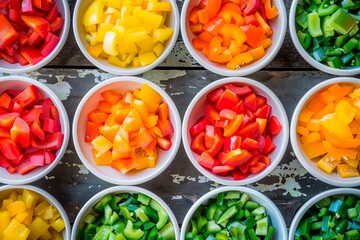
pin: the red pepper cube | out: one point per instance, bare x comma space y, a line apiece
274, 126
207, 161
240, 91
228, 100
236, 157
198, 143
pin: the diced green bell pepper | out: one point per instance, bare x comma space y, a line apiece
341, 21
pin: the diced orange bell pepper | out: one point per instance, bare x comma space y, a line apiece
200, 44
203, 16
213, 26
326, 97
193, 15
101, 144
327, 164
305, 115
234, 32
341, 142
346, 171
132, 122
151, 121
102, 159
123, 165
223, 57
263, 24
239, 60
315, 104
196, 27
338, 153
270, 11
111, 96
205, 36
233, 126
313, 150
97, 117
345, 111
231, 12
302, 131
151, 98
329, 108
215, 46
253, 35
213, 7
337, 91
257, 53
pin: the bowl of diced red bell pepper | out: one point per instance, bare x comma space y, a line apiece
325, 131
34, 130
32, 33
126, 130
235, 131
235, 38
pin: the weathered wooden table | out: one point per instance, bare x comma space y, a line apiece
70, 75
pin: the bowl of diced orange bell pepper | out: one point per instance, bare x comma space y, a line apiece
325, 131
126, 38
126, 130
29, 212
235, 38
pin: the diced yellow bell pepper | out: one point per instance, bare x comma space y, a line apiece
329, 108
333, 124
93, 14
132, 122
129, 22
354, 162
29, 217
41, 208
163, 34
48, 214
133, 35
313, 150
116, 4
129, 58
103, 29
302, 131
313, 125
159, 6
158, 49
346, 171
15, 208
110, 18
13, 196
305, 115
30, 198
345, 112
146, 44
327, 164
312, 137
4, 222
55, 235
151, 98
147, 58
136, 62
37, 228
153, 19
95, 50
126, 47
20, 217
141, 109
16, 231
58, 225
116, 62
110, 42
338, 153
355, 94
46, 235
91, 38
91, 28
5, 203
101, 144
120, 31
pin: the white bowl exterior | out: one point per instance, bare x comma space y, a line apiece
87, 208
306, 55
7, 188
19, 82
196, 109
83, 149
301, 212
277, 219
333, 178
64, 11
278, 25
79, 32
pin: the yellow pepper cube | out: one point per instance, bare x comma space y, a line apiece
116, 62
101, 144
30, 198
151, 98
91, 28
158, 49
110, 42
15, 208
305, 115
20, 217
37, 228
55, 235
153, 19
16, 231
347, 171
135, 34
163, 34
354, 162
93, 14
48, 214
146, 44
129, 21
302, 131
345, 111
4, 222
46, 236
313, 125
312, 137
114, 4
159, 6
91, 38
327, 164
333, 124
5, 203
147, 58
355, 94
136, 62
126, 47
120, 31
58, 225
103, 29
95, 50
41, 208
29, 217
313, 150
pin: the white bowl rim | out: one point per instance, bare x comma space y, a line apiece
309, 203
346, 182
176, 124
65, 130
119, 189
50, 198
54, 52
306, 56
212, 193
253, 67
282, 115
127, 71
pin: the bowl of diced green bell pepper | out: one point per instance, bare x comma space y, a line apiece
326, 33
333, 214
125, 212
234, 213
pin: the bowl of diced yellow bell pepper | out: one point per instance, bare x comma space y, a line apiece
29, 212
126, 37
126, 130
325, 131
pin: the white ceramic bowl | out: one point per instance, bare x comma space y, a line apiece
272, 211
306, 55
87, 208
278, 25
196, 110
312, 201
6, 189
310, 166
83, 149
64, 11
79, 32
19, 82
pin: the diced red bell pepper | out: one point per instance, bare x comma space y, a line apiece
36, 130
49, 157
261, 100
274, 126
240, 108
164, 143
227, 114
222, 170
92, 131
7, 57
4, 162
210, 132
215, 95
236, 157
26, 6
257, 168
261, 142
240, 91
227, 100
36, 23
231, 143
166, 127
252, 7
198, 143
54, 113
32, 115
15, 4
22, 61
265, 160
41, 4
31, 54
24, 168
57, 24
222, 123
95, 116
5, 100
269, 145
207, 161
4, 133
7, 120
217, 145
28, 97
3, 110
46, 107
251, 102
250, 20
20, 132
211, 114
214, 25
251, 130
51, 126
10, 149
37, 159
15, 16
23, 38
198, 126
52, 14
250, 144
8, 35
35, 39
238, 175
53, 141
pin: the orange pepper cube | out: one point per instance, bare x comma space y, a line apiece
151, 98
101, 144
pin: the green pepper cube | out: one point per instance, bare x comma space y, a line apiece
302, 20
327, 30
347, 4
304, 38
314, 24
350, 45
325, 9
341, 21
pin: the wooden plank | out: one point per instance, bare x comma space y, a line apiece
289, 185
71, 55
